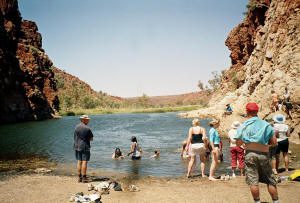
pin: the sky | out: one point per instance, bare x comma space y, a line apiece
132, 47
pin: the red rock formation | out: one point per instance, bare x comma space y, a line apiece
27, 84
241, 43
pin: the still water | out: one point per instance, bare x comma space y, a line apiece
54, 139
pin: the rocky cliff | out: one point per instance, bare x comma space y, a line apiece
27, 84
265, 54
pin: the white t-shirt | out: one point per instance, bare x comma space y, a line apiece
282, 130
231, 134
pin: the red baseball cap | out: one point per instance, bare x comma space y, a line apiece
252, 107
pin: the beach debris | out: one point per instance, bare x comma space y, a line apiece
80, 197
90, 187
225, 177
100, 179
117, 186
42, 170
102, 186
134, 188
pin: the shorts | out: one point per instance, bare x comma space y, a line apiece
135, 157
283, 146
198, 149
82, 155
272, 152
258, 168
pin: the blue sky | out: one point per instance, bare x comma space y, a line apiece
130, 47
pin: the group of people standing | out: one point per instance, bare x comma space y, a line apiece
198, 143
250, 145
253, 146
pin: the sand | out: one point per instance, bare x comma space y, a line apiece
51, 188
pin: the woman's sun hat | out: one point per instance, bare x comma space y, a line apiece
279, 118
235, 124
84, 117
213, 122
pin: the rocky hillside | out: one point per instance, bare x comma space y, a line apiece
27, 84
193, 98
74, 93
265, 54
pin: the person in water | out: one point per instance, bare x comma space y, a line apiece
135, 150
257, 135
215, 140
185, 154
82, 137
117, 154
237, 152
198, 141
156, 154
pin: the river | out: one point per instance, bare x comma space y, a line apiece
54, 139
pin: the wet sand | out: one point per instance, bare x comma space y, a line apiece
48, 188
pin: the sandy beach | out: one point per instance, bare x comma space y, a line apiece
51, 188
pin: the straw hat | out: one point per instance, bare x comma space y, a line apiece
279, 118
213, 122
235, 124
84, 117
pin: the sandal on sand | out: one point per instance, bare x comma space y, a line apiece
79, 179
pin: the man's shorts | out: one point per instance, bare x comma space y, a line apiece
82, 155
272, 152
258, 168
283, 146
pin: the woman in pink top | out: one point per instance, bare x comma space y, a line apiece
237, 153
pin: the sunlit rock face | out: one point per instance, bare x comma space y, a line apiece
265, 54
27, 84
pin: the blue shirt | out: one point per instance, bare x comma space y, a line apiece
214, 136
229, 109
255, 130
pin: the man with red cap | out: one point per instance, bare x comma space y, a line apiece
257, 135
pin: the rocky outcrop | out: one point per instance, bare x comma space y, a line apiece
27, 84
273, 64
241, 43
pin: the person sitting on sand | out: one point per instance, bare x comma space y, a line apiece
198, 140
237, 152
275, 99
185, 154
135, 150
117, 154
215, 140
228, 110
156, 154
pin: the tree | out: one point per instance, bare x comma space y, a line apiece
215, 81
143, 100
200, 85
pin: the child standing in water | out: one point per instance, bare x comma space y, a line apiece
117, 154
135, 150
156, 154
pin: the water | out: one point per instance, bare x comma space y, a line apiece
54, 139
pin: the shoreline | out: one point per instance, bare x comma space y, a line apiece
129, 110
52, 188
